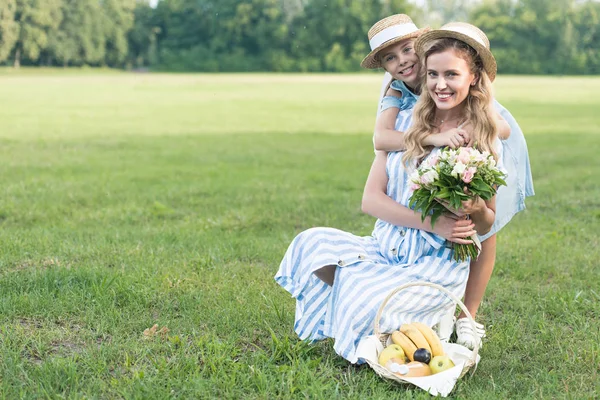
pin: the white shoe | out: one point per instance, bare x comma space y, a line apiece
465, 336
445, 327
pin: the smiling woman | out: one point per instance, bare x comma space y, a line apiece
448, 81
339, 280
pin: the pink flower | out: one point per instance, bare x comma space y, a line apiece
464, 156
468, 174
433, 160
415, 186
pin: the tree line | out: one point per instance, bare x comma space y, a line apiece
527, 36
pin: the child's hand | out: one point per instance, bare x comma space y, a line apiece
470, 138
454, 229
453, 138
471, 206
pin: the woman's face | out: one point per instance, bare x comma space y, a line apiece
448, 79
401, 61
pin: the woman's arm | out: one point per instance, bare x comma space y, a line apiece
377, 203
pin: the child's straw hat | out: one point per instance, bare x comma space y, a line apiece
470, 34
386, 32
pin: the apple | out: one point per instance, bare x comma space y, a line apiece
417, 368
440, 363
422, 355
392, 351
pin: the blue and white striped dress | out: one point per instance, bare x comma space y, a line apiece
369, 268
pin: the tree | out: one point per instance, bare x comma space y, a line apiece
332, 36
142, 36
80, 37
586, 22
439, 12
37, 20
9, 29
117, 21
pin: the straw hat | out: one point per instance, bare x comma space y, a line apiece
386, 32
470, 34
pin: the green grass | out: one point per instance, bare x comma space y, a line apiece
133, 200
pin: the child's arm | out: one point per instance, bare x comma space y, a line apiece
503, 128
386, 138
453, 138
482, 212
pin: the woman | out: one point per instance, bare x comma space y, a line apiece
339, 279
511, 198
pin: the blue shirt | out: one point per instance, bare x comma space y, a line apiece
405, 102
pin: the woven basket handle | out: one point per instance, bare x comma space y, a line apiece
442, 289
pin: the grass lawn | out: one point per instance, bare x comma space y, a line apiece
138, 199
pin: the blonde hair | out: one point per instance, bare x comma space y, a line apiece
478, 107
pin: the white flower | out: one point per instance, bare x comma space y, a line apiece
429, 177
415, 177
458, 169
481, 157
446, 154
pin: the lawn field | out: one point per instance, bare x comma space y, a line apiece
138, 199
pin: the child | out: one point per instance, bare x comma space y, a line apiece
401, 96
343, 304
398, 57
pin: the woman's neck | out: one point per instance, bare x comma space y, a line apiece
454, 114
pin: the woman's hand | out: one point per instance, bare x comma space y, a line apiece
453, 138
454, 229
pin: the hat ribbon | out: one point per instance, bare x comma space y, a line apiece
391, 32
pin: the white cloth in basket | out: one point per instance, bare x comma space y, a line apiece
437, 384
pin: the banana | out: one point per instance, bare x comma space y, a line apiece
416, 336
431, 337
407, 345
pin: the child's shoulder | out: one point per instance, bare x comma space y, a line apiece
396, 88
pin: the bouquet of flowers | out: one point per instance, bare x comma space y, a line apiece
441, 179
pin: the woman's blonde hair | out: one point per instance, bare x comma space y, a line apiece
478, 108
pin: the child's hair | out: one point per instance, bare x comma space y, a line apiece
478, 107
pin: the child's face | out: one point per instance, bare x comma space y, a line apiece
448, 79
401, 61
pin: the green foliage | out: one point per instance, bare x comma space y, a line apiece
542, 37
117, 21
79, 39
66, 32
527, 36
38, 20
9, 28
142, 37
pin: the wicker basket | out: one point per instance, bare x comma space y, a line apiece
437, 384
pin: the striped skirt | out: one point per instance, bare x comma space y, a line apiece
366, 273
